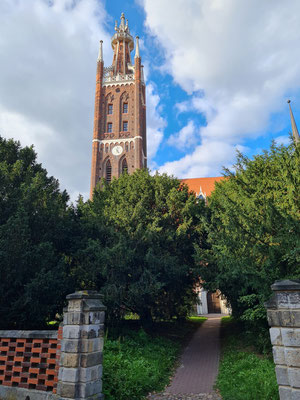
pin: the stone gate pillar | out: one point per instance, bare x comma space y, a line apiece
283, 310
80, 372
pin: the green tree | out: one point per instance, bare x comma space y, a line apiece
138, 250
36, 228
254, 229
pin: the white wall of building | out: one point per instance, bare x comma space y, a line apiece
202, 307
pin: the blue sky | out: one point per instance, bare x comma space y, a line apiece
218, 76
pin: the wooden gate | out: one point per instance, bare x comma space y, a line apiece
213, 303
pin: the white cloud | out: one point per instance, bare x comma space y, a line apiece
186, 138
48, 53
285, 140
155, 122
202, 161
238, 60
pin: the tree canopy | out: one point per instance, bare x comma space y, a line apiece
254, 229
138, 250
143, 241
35, 232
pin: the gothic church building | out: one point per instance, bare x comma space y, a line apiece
119, 138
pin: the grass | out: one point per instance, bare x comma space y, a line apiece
136, 363
244, 374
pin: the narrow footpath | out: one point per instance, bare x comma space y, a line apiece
195, 377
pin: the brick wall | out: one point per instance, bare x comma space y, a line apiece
30, 359
51, 365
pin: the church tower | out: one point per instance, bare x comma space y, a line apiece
119, 139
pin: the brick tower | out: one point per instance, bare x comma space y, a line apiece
119, 140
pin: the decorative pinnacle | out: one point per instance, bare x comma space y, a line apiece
100, 55
296, 136
122, 25
137, 48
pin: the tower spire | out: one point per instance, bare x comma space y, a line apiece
122, 44
100, 55
137, 48
296, 136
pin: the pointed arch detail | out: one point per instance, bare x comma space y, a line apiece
123, 165
108, 170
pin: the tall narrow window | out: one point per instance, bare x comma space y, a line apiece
124, 166
108, 172
109, 127
110, 109
125, 108
125, 126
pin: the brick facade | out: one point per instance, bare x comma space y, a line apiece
119, 138
30, 362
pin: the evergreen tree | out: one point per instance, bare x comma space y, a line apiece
254, 230
35, 240
140, 232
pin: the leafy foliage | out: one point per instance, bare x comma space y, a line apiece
35, 232
149, 225
254, 230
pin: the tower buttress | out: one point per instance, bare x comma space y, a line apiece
119, 139
97, 120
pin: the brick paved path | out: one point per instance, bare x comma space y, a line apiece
191, 396
196, 374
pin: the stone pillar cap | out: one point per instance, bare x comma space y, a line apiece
286, 285
85, 294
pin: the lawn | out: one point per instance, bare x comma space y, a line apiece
244, 374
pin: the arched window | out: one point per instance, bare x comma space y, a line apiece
124, 166
108, 172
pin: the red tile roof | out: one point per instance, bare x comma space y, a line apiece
207, 185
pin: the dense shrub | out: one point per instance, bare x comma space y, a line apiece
36, 230
254, 231
138, 245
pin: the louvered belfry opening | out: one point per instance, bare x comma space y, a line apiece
124, 166
108, 171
